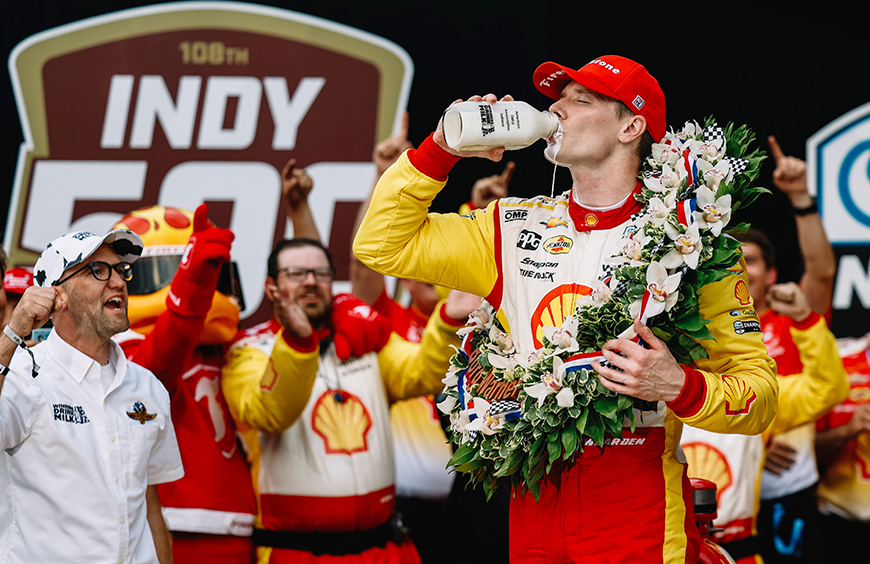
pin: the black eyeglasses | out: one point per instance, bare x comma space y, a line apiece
297, 275
102, 271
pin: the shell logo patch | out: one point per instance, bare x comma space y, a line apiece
591, 220
554, 307
554, 222
342, 421
739, 396
270, 376
741, 292
708, 462
558, 245
140, 413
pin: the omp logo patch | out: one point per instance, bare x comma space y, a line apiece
514, 215
739, 395
558, 245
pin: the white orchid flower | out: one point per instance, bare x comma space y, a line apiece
600, 294
564, 338
690, 130
459, 423
670, 178
665, 153
662, 289
503, 363
451, 379
485, 422
713, 213
446, 405
531, 359
712, 150
658, 209
552, 383
715, 175
500, 341
687, 247
481, 318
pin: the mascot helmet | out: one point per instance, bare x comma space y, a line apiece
165, 232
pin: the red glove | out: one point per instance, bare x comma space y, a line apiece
194, 284
357, 328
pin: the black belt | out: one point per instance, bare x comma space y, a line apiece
336, 544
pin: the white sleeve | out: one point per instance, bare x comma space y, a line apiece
17, 405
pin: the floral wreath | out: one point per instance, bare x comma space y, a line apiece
514, 415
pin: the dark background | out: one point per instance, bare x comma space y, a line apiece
782, 71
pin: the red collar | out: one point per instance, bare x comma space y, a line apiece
586, 219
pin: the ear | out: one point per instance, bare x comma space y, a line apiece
60, 300
271, 289
772, 276
632, 129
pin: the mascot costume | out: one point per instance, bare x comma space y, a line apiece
184, 304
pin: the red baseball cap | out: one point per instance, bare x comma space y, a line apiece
615, 77
16, 280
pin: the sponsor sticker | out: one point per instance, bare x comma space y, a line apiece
558, 245
528, 240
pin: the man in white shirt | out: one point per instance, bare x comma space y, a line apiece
86, 436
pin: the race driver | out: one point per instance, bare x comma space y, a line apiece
623, 504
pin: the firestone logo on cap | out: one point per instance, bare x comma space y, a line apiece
606, 65
553, 76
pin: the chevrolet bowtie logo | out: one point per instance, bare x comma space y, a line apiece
140, 414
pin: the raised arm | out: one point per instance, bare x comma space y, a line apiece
295, 187
820, 267
267, 382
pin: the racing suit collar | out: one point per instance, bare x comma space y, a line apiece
587, 219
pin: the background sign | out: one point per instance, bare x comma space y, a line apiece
838, 165
178, 104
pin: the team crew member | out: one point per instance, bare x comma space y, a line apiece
788, 517
735, 462
626, 504
183, 313
843, 450
314, 385
86, 435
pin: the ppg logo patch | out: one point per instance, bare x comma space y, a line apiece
528, 240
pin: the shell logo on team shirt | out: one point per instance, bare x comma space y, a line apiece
739, 395
342, 421
741, 292
558, 245
708, 462
554, 307
591, 220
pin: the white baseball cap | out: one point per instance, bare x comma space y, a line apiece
74, 248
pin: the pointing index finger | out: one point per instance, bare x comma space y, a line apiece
775, 150
507, 174
403, 128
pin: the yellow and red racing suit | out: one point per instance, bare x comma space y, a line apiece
532, 259
318, 430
